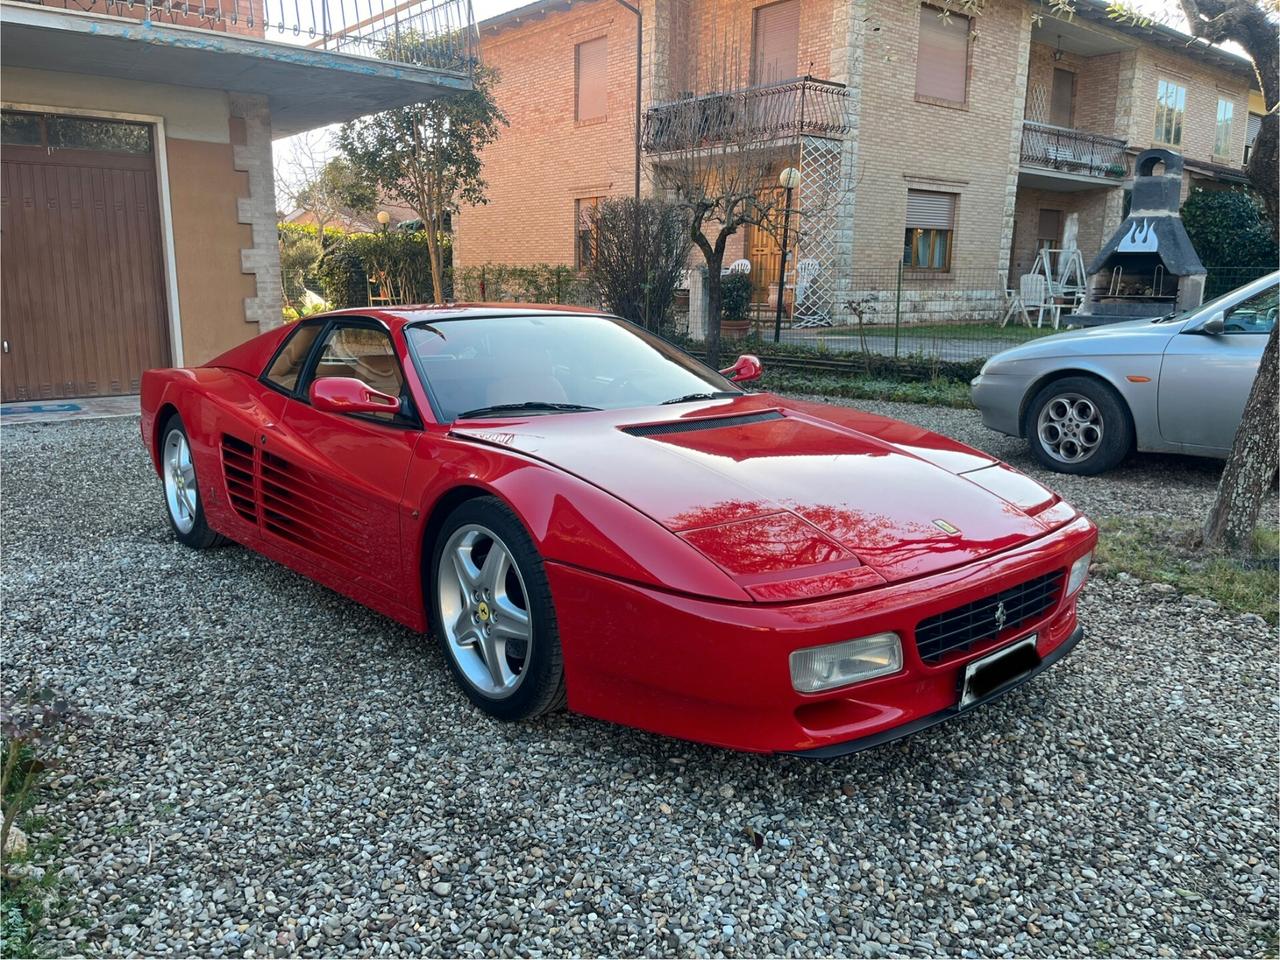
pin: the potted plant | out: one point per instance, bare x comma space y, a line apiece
735, 304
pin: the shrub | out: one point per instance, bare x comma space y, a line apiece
536, 283
299, 254
1229, 230
641, 247
735, 296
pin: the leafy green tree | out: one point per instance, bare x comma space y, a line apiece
427, 156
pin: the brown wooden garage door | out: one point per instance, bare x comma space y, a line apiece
83, 277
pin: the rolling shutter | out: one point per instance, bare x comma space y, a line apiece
592, 89
930, 211
776, 42
1251, 131
942, 60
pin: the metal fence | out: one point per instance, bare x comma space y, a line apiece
901, 317
435, 33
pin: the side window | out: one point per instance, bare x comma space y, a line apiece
365, 354
1255, 315
287, 366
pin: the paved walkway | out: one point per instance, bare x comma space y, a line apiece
47, 411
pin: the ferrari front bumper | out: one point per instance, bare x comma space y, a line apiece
719, 672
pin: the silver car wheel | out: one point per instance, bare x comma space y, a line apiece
179, 481
1070, 427
484, 610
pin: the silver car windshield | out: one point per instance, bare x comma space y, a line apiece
551, 363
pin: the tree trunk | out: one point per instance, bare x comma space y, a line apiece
433, 255
1249, 472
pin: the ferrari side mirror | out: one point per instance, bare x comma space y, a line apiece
349, 395
747, 368
1215, 325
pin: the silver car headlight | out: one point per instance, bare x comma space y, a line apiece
1079, 573
814, 669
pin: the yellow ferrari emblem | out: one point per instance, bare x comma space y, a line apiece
482, 611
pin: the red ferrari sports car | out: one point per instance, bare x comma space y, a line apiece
582, 514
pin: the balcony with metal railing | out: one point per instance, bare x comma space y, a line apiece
318, 61
758, 114
432, 33
1072, 154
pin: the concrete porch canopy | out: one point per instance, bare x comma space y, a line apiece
313, 76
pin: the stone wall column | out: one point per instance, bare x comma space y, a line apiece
258, 210
1015, 142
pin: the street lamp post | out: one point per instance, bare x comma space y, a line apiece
788, 179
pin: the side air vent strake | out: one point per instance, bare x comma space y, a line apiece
705, 423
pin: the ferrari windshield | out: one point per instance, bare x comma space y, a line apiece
551, 363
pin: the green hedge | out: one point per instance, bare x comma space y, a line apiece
349, 262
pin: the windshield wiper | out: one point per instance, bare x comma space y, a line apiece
532, 406
688, 397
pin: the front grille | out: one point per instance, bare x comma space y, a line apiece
960, 629
705, 423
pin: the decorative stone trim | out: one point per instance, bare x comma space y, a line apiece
258, 210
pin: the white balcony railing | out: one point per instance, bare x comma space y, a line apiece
432, 33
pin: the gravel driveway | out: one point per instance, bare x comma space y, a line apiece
272, 770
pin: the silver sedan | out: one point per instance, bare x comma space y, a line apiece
1086, 398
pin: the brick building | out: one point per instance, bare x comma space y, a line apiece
962, 146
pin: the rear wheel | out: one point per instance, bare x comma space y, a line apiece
181, 492
1078, 425
492, 614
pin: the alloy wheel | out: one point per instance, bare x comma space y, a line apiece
1070, 427
179, 481
484, 610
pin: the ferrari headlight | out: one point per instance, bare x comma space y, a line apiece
1079, 572
839, 664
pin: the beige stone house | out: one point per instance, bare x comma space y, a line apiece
139, 216
958, 146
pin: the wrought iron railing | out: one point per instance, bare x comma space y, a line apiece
804, 106
432, 33
1073, 151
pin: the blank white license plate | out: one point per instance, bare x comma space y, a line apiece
988, 674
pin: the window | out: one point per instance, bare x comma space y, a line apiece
1171, 109
1255, 315
1251, 133
1062, 103
590, 84
291, 358
584, 236
942, 59
930, 222
1049, 229
57, 132
1222, 133
366, 354
776, 42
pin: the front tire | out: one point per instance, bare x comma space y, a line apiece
1078, 425
183, 503
492, 614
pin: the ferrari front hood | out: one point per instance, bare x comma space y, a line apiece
776, 491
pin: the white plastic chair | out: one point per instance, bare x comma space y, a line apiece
1033, 294
739, 266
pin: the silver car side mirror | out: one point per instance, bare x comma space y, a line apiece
1215, 325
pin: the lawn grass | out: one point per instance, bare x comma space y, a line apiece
1159, 552
938, 393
